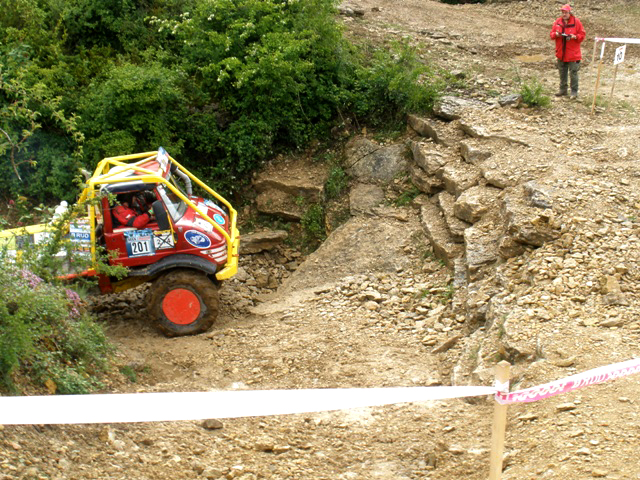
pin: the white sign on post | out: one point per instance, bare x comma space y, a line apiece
619, 56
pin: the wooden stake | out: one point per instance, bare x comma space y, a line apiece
615, 74
499, 425
595, 90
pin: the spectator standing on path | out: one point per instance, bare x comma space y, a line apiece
568, 33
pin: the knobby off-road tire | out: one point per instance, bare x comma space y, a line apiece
183, 302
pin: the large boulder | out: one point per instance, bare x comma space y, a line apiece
370, 162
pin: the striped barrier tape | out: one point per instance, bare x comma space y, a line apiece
568, 384
177, 406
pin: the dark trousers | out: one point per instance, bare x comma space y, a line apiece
568, 69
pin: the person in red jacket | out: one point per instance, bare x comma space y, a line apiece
568, 33
127, 216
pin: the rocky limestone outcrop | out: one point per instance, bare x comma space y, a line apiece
287, 189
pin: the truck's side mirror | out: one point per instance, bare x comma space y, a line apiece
161, 215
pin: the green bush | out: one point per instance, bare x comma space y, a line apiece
134, 109
533, 94
406, 197
336, 183
312, 222
394, 82
224, 84
46, 336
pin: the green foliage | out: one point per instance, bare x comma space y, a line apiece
129, 372
313, 224
132, 108
406, 197
46, 336
224, 84
395, 82
533, 94
25, 109
336, 183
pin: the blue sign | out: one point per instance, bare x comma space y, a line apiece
197, 239
219, 219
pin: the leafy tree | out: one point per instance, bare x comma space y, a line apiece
24, 109
134, 109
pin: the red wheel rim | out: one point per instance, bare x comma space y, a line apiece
181, 306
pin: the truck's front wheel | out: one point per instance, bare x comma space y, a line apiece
183, 302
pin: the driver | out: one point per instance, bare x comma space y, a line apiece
128, 216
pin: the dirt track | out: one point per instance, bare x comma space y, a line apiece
330, 336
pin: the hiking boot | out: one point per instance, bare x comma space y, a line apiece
561, 94
574, 96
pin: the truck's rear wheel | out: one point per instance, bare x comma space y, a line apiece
183, 302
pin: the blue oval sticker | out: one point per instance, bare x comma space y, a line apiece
219, 219
197, 239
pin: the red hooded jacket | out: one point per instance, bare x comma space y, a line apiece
568, 50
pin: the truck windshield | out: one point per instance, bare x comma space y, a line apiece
175, 206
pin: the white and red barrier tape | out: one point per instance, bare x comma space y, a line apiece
174, 406
568, 384
618, 40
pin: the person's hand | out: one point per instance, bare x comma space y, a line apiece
557, 34
573, 37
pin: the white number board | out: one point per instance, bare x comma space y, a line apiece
619, 57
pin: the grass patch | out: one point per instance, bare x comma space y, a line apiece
533, 94
406, 197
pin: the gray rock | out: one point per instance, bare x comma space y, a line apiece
430, 160
261, 241
511, 99
496, 175
280, 204
452, 108
425, 128
371, 163
438, 234
539, 196
351, 11
426, 183
527, 225
472, 154
212, 424
455, 225
481, 244
364, 198
473, 203
310, 187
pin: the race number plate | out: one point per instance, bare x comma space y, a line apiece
139, 243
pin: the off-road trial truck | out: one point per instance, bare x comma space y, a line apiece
188, 248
